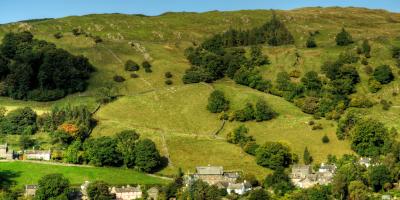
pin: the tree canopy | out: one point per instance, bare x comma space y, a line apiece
274, 155
37, 70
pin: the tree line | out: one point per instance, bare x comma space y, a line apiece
32, 69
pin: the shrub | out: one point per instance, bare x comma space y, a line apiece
251, 147
217, 102
325, 139
263, 111
364, 61
131, 65
58, 35
360, 102
317, 127
295, 73
118, 78
168, 75
134, 75
310, 105
146, 64
343, 38
385, 104
383, 74
246, 114
368, 70
148, 70
168, 82
311, 123
239, 136
374, 85
311, 42
77, 31
97, 39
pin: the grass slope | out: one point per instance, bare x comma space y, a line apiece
175, 116
29, 173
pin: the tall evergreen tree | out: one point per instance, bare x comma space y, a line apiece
307, 158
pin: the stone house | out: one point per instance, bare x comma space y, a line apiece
30, 190
238, 188
6, 153
37, 155
303, 176
215, 174
127, 193
152, 193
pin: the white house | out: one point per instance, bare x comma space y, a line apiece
127, 193
38, 155
238, 188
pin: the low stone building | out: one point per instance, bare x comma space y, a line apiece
215, 174
6, 153
30, 190
37, 155
303, 176
127, 193
152, 193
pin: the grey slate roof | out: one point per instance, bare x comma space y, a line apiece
210, 170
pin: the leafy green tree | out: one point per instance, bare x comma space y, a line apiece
147, 157
102, 151
283, 81
258, 194
25, 142
347, 172
263, 111
19, 121
314, 193
357, 190
347, 123
239, 136
279, 181
107, 93
343, 38
311, 81
307, 158
274, 155
199, 190
383, 74
378, 176
369, 137
325, 139
311, 42
217, 102
131, 65
73, 153
126, 143
245, 114
310, 105
256, 56
98, 190
52, 186
4, 62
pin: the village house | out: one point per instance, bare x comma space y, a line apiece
127, 193
6, 153
303, 176
215, 174
37, 155
238, 188
365, 161
30, 190
152, 193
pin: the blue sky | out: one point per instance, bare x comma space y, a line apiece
15, 10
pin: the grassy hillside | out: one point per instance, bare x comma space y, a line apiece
29, 173
175, 116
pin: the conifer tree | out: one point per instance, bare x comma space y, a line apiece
307, 158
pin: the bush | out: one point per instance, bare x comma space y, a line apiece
364, 61
310, 105
77, 31
343, 38
374, 85
385, 104
168, 82
134, 76
317, 127
246, 114
58, 35
97, 39
239, 136
263, 111
360, 102
325, 139
168, 75
118, 78
368, 70
131, 65
148, 70
295, 73
383, 74
311, 42
217, 102
311, 123
251, 147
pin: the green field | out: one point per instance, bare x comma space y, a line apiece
29, 173
175, 116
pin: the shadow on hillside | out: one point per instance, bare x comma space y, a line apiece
7, 178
